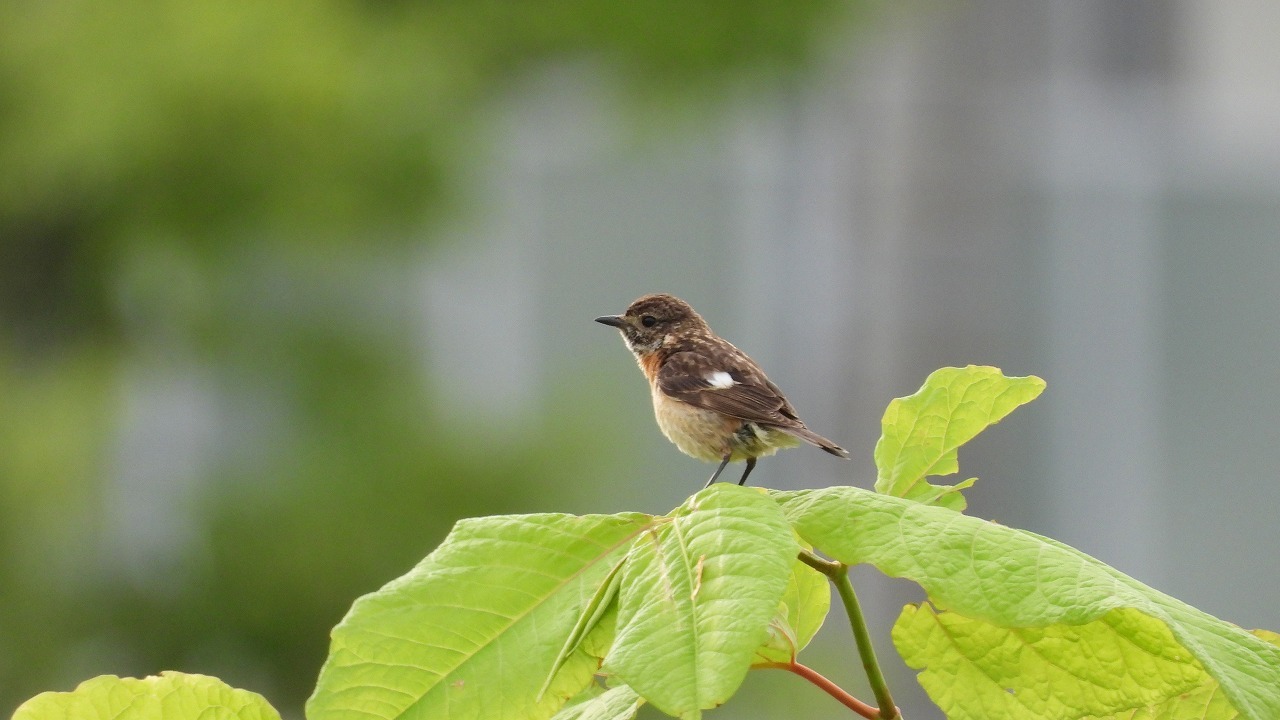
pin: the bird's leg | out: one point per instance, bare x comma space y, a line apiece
751, 465
719, 470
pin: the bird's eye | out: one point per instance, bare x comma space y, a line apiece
648, 321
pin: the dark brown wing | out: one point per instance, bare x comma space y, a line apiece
728, 385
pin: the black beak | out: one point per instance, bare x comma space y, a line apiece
614, 320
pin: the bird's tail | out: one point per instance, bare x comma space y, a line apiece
816, 440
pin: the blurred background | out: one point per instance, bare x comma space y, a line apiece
287, 288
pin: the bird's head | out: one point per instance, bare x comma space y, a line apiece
654, 321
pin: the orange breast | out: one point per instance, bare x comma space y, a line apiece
649, 364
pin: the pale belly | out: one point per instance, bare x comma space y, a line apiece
708, 435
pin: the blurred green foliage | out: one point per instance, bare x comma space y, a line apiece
231, 192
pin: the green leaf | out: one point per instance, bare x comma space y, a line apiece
974, 669
1206, 702
1268, 636
171, 696
619, 703
920, 433
804, 606
698, 592
1015, 579
588, 620
1122, 659
473, 630
599, 639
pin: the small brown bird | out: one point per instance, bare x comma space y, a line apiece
710, 399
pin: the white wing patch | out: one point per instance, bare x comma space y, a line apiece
721, 380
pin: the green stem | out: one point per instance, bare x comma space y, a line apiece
838, 573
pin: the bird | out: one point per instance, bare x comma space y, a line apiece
709, 398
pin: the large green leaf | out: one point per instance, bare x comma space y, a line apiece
804, 606
1015, 579
975, 670
171, 696
1206, 702
697, 594
920, 432
474, 629
1125, 659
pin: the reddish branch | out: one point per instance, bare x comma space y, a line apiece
827, 686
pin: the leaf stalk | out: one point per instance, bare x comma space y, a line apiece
840, 694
